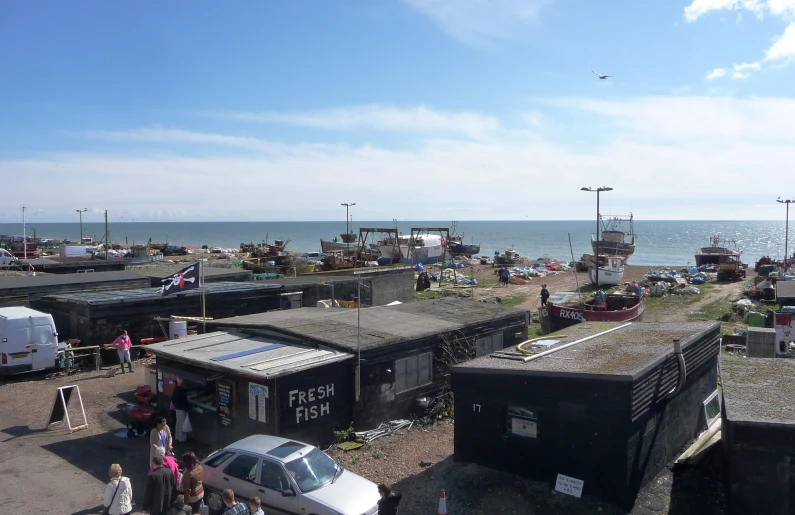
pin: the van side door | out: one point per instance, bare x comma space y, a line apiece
43, 347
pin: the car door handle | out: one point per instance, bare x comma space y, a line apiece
260, 490
226, 479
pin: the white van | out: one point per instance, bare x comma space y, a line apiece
6, 258
28, 341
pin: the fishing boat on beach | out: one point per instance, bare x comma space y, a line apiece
347, 244
610, 270
456, 245
604, 307
724, 256
509, 257
421, 248
617, 236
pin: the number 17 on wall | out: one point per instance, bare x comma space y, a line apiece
476, 408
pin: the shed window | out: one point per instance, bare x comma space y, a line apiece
488, 344
413, 372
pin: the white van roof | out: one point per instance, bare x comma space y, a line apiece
19, 312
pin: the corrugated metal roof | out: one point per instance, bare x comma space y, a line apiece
238, 353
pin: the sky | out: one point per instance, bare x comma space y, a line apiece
413, 109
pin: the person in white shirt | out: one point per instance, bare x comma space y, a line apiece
118, 492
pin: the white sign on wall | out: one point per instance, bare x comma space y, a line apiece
258, 402
521, 427
569, 486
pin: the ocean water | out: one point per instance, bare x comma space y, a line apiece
657, 242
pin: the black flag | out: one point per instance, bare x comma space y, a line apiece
186, 279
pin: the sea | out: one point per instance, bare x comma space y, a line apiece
657, 243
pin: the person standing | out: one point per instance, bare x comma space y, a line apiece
159, 437
192, 481
123, 346
506, 276
388, 503
544, 294
161, 489
118, 492
233, 507
179, 399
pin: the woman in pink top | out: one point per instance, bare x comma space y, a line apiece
168, 462
123, 346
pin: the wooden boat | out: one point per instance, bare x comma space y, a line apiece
723, 255
618, 307
509, 257
610, 274
614, 240
456, 245
337, 246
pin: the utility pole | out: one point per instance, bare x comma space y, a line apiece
598, 191
107, 243
786, 232
24, 234
80, 212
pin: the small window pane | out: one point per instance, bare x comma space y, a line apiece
219, 459
272, 476
425, 375
400, 376
412, 372
243, 467
480, 347
496, 342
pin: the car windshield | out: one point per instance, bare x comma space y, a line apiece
313, 470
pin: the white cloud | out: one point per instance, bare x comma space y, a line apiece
701, 7
418, 119
479, 21
661, 155
782, 48
740, 75
716, 73
747, 66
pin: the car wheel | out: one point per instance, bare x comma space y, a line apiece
214, 501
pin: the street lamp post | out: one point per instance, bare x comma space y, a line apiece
347, 205
80, 212
598, 191
786, 231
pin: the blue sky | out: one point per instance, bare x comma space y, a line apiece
413, 109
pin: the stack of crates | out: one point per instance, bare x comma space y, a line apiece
761, 342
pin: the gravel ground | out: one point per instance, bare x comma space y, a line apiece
419, 463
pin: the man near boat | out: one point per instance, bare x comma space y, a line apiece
544, 294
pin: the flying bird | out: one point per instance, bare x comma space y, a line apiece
600, 75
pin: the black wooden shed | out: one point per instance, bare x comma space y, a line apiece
758, 434
239, 385
597, 410
406, 350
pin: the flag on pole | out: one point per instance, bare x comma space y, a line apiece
186, 279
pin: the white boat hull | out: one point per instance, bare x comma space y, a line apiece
607, 276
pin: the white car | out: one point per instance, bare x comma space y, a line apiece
288, 476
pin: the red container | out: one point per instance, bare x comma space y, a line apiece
143, 389
143, 414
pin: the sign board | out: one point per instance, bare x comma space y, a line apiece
60, 408
569, 486
225, 393
522, 427
258, 402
